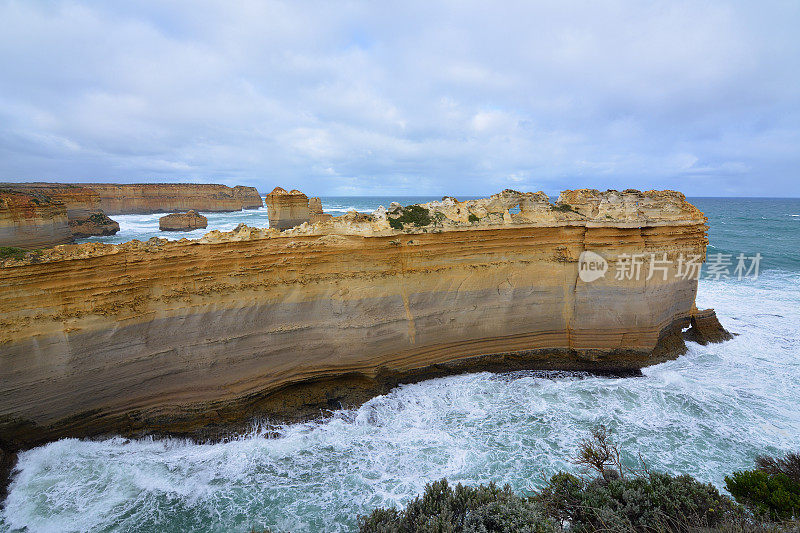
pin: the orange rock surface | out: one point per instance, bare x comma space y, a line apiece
191, 337
142, 198
32, 221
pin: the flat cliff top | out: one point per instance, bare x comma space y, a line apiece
507, 209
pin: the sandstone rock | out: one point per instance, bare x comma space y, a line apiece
280, 322
31, 221
315, 207
293, 208
95, 224
182, 221
630, 205
144, 198
84, 214
705, 328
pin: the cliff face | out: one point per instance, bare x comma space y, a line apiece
190, 337
82, 204
32, 221
116, 199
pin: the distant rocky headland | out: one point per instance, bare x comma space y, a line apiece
41, 215
196, 337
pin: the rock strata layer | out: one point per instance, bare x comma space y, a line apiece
188, 221
85, 216
194, 337
144, 198
31, 221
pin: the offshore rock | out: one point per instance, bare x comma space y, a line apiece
188, 221
32, 220
316, 213
95, 224
196, 337
289, 209
705, 328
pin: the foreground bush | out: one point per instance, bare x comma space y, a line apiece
657, 502
443, 508
776, 496
654, 502
616, 499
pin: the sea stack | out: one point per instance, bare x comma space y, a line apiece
315, 208
287, 209
188, 221
196, 337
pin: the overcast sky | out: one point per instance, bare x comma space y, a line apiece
341, 98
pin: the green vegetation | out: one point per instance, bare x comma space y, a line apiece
771, 490
98, 218
563, 208
412, 214
612, 498
9, 252
473, 217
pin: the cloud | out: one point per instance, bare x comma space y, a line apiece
413, 97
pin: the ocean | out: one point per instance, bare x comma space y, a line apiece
707, 414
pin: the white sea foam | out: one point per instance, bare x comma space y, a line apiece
707, 413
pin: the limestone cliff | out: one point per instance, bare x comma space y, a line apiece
191, 337
85, 216
32, 221
143, 198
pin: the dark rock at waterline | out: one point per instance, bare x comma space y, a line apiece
705, 328
95, 224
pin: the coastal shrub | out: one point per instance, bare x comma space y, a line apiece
776, 496
10, 252
656, 502
789, 464
443, 508
473, 217
412, 214
564, 208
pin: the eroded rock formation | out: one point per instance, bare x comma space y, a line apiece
85, 216
96, 224
316, 213
192, 337
287, 209
31, 220
143, 198
182, 221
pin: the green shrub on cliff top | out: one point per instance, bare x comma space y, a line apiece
412, 214
618, 499
10, 252
442, 508
775, 496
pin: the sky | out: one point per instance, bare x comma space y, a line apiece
405, 98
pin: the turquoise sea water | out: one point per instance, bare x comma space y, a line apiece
706, 414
